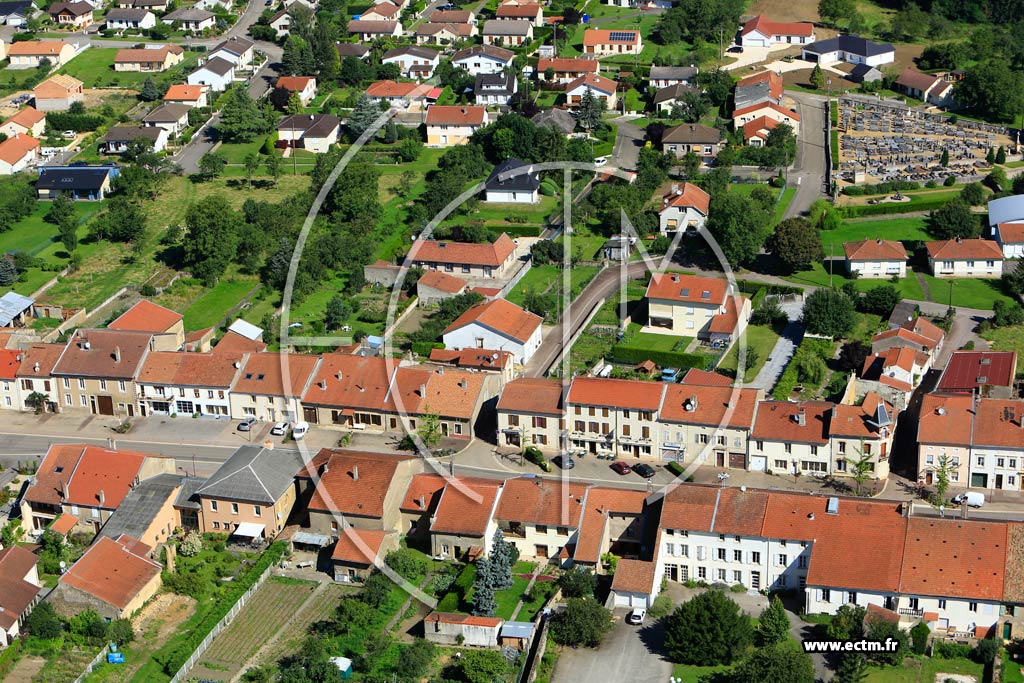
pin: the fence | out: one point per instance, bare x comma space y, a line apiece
515, 279
221, 625
100, 656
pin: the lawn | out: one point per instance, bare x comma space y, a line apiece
212, 307
903, 229
923, 670
966, 292
1011, 670
587, 247
95, 68
1009, 339
542, 279
760, 341
685, 673
784, 201
909, 286
653, 342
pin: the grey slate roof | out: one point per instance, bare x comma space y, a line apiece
559, 119
187, 498
755, 93
127, 14
129, 133
217, 65
852, 44
525, 181
254, 474
677, 73
413, 50
188, 14
140, 507
495, 84
672, 92
504, 27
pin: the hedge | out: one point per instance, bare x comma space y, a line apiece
881, 188
522, 230
749, 287
174, 654
666, 359
424, 348
789, 379
62, 120
889, 208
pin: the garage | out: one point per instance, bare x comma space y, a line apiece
758, 463
626, 599
633, 584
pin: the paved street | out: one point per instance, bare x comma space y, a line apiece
808, 172
628, 143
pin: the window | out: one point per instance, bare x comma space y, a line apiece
234, 508
783, 560
67, 399
842, 446
257, 511
851, 598
684, 550
702, 573
942, 603
789, 448
721, 555
840, 465
755, 557
67, 382
826, 595
737, 555
801, 562
760, 446
120, 385
562, 531
458, 428
780, 464
1011, 480
216, 525
981, 461
1000, 462
814, 450
929, 459
737, 577
721, 574
721, 441
103, 385
81, 383
213, 505
972, 607
541, 529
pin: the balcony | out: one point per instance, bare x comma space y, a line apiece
908, 612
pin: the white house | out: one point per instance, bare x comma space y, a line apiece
216, 73
965, 258
449, 125
118, 138
932, 89
1010, 237
238, 51
18, 153
483, 59
305, 86
187, 384
763, 32
312, 132
131, 18
684, 207
876, 258
851, 49
496, 324
512, 182
684, 304
665, 76
503, 32
600, 87
190, 19
171, 117
281, 23
413, 61
495, 90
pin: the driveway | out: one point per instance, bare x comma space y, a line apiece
628, 142
783, 350
752, 55
808, 172
628, 653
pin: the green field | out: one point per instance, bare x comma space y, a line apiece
760, 341
923, 670
653, 342
966, 292
210, 308
95, 68
1009, 339
542, 279
586, 247
904, 229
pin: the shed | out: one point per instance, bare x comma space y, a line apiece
344, 665
444, 628
517, 634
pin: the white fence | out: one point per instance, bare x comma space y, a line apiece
100, 656
221, 625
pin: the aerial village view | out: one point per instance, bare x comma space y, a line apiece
511, 341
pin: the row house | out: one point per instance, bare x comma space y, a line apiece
991, 374
978, 441
10, 395
707, 424
463, 522
270, 386
86, 482
96, 371
34, 375
607, 416
188, 384
531, 412
483, 59
541, 517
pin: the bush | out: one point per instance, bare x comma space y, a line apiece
533, 455
919, 638
943, 649
406, 562
630, 355
577, 583
880, 188
709, 630
582, 623
424, 348
191, 545
985, 651
916, 204
661, 607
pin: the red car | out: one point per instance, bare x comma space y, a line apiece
621, 468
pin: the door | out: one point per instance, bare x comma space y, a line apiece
309, 415
541, 551
131, 410
999, 481
1007, 631
928, 477
720, 459
737, 461
105, 405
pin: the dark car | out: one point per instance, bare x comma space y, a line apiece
566, 462
644, 470
247, 424
736, 49
621, 467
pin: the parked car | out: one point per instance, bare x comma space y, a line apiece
971, 499
636, 616
566, 462
600, 161
736, 49
247, 424
299, 430
621, 467
280, 429
68, 135
644, 470
669, 374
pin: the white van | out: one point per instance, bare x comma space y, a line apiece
971, 499
299, 430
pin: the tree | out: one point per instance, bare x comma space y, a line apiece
973, 194
297, 58
503, 557
582, 623
709, 630
479, 666
853, 668
294, 104
212, 164
887, 632
252, 164
588, 115
860, 469
43, 622
954, 219
943, 469
796, 244
212, 239
363, 115
578, 583
773, 624
828, 312
429, 429
68, 230
1006, 313
880, 300
338, 311
241, 119
123, 221
690, 107
149, 92
738, 224
832, 11
1001, 155
919, 638
817, 77
409, 149
275, 166
777, 663
991, 88
483, 589
944, 158
37, 401
61, 209
416, 658
847, 624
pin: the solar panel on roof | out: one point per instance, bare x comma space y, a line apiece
622, 35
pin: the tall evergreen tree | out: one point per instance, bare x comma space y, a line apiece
297, 59
149, 92
483, 589
363, 115
501, 561
773, 626
853, 668
589, 113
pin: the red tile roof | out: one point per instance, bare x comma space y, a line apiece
110, 353
64, 524
355, 482
442, 281
476, 359
753, 128
10, 363
459, 253
234, 343
954, 558
501, 316
600, 503
176, 368
27, 117
264, 374
542, 501
453, 115
858, 421
466, 507
634, 576
778, 421
426, 485
358, 546
616, 393
567, 65
769, 28
86, 471
294, 83
688, 195
967, 370
466, 619
112, 571
947, 419
708, 291
709, 405
705, 378
44, 356
594, 82
875, 250
904, 334
925, 328
593, 36
182, 92
961, 249
532, 396
16, 594
416, 390
346, 381
528, 10
393, 89
727, 321
13, 150
1011, 233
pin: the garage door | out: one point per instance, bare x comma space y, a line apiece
758, 463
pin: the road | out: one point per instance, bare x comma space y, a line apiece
628, 142
808, 172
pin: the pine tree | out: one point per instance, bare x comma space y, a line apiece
294, 105
297, 59
501, 561
852, 668
773, 626
68, 230
817, 77
149, 92
991, 156
8, 272
363, 115
590, 110
1000, 155
483, 589
944, 159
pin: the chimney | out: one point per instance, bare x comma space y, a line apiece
801, 418
103, 497
63, 489
339, 375
323, 469
323, 385
964, 507
355, 472
423, 390
906, 508
117, 354
111, 444
423, 502
35, 368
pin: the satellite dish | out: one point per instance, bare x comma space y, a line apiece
63, 566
